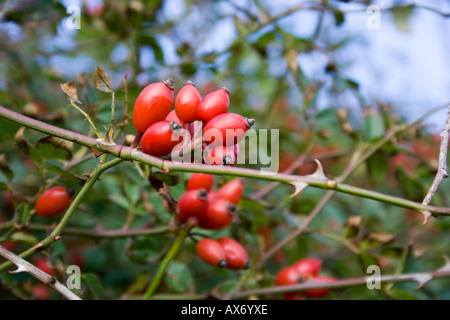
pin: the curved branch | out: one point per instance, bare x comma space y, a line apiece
98, 233
420, 278
127, 153
442, 170
24, 266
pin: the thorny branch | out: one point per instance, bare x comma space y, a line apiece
442, 170
24, 266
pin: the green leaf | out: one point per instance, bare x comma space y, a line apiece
120, 200
412, 188
254, 213
4, 167
144, 249
51, 147
339, 18
402, 15
69, 176
58, 248
22, 214
132, 192
352, 84
94, 285
401, 294
374, 126
179, 277
23, 144
23, 237
229, 286
102, 81
392, 252
3, 186
188, 69
378, 165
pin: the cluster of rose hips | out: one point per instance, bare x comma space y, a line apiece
302, 271
200, 123
213, 210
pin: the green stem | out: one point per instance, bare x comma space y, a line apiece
170, 255
127, 153
54, 235
95, 233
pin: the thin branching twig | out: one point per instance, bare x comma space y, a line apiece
442, 170
24, 266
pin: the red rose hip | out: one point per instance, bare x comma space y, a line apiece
236, 255
319, 293
153, 104
192, 203
287, 276
211, 252
220, 155
53, 201
226, 129
161, 137
213, 104
219, 214
308, 267
172, 116
232, 191
200, 181
187, 102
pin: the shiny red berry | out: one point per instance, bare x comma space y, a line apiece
211, 252
232, 191
172, 116
53, 201
308, 267
226, 129
161, 137
187, 102
287, 276
213, 104
219, 214
153, 104
236, 255
220, 155
200, 181
319, 293
192, 203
